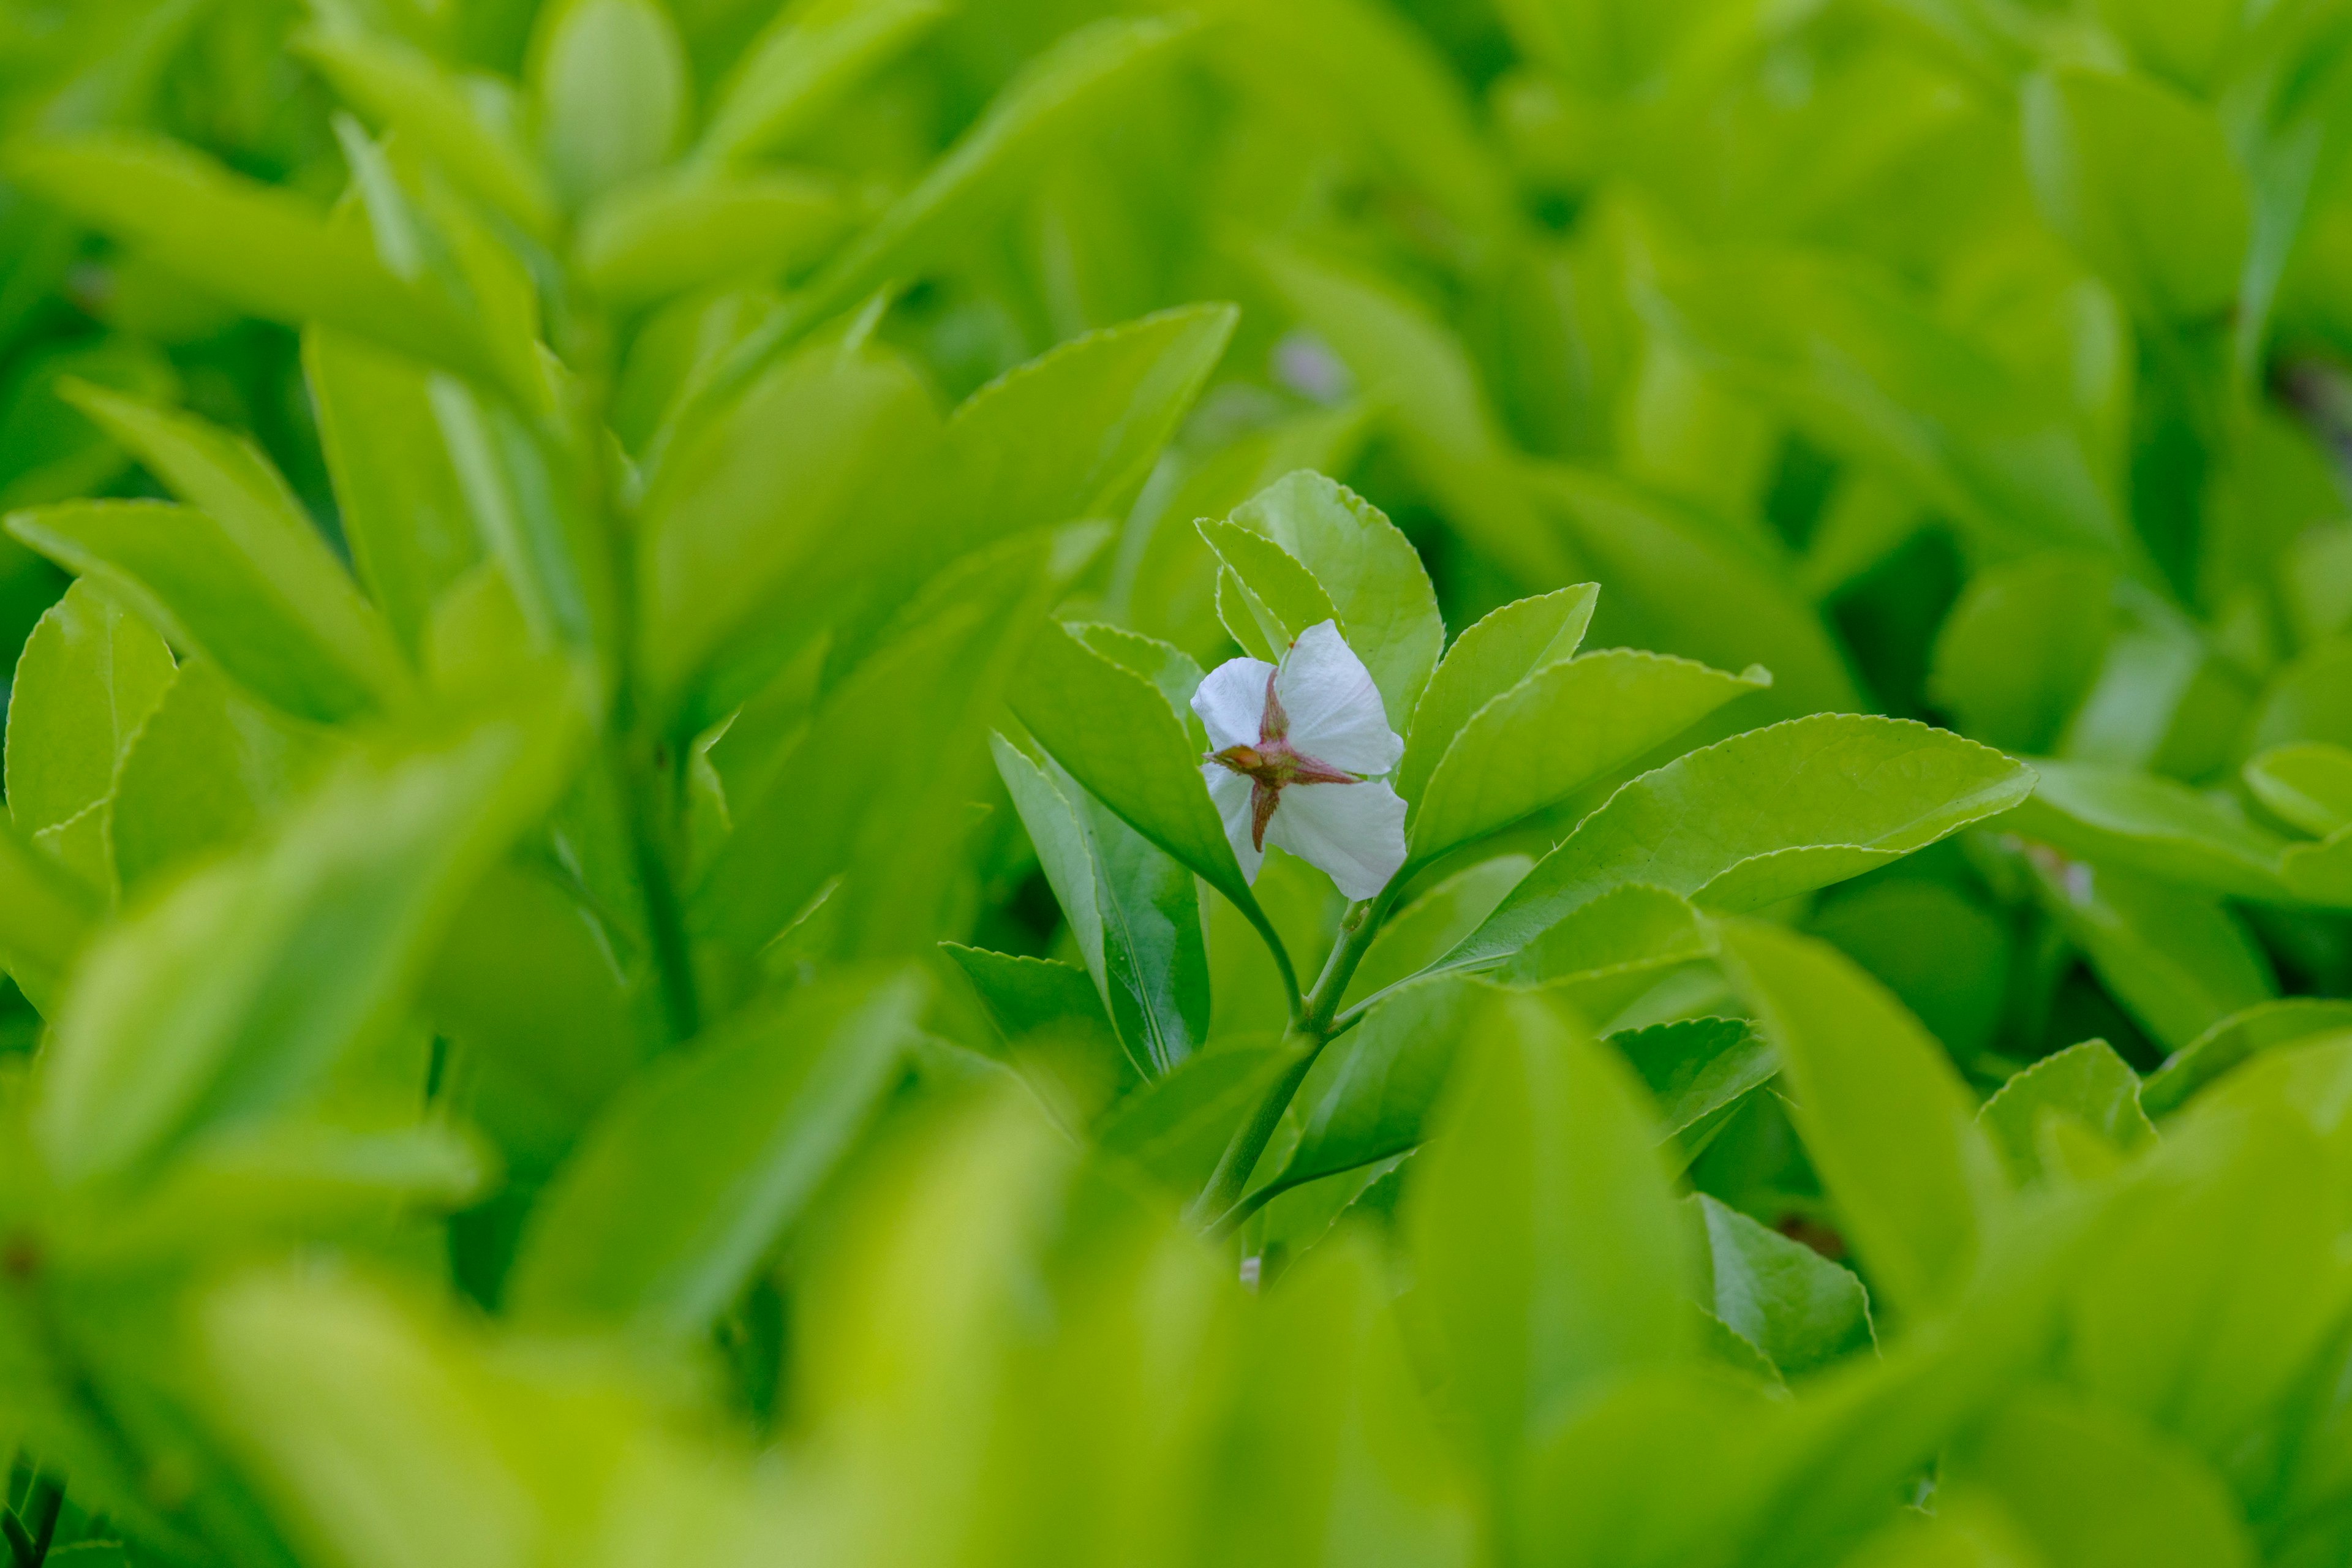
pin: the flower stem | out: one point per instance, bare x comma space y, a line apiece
1310, 1031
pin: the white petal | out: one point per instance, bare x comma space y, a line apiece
1230, 792
1230, 701
1335, 710
1354, 832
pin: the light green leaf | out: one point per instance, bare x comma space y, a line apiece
1562, 727
2265, 1026
1176, 1129
1268, 585
413, 96
1055, 1032
1780, 1295
1603, 955
2140, 182
877, 786
667, 235
403, 510
683, 1185
1418, 934
807, 61
1697, 1069
1372, 1091
1545, 1236
1493, 656
1055, 95
256, 246
184, 571
238, 990
611, 82
1437, 410
90, 676
2155, 825
2087, 1083
1113, 731
1368, 574
2309, 785
1762, 816
46, 915
2177, 959
2021, 647
1073, 433
1698, 593
231, 481
208, 769
757, 509
2094, 1489
1888, 1123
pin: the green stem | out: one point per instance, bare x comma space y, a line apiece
648, 802
1311, 1029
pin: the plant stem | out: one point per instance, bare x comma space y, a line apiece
1310, 1031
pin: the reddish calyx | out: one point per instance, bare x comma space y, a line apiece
1271, 764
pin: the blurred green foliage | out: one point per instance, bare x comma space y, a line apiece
616, 947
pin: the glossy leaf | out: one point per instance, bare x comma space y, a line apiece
2087, 1083
1492, 656
1887, 1120
1762, 816
1565, 725
1548, 1249
1780, 1295
684, 1184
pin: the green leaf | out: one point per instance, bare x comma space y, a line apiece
876, 785
2178, 961
184, 571
749, 525
2265, 1026
2141, 183
241, 987
808, 60
1176, 1129
1116, 736
1889, 1125
2092, 1486
256, 246
274, 540
1780, 1295
1266, 583
1562, 727
1418, 934
208, 769
2207, 1295
2155, 825
1544, 1237
610, 81
1697, 1069
684, 1184
1496, 654
1605, 953
2022, 649
1371, 1092
403, 510
1437, 409
2308, 786
1336, 1457
1762, 816
525, 983
667, 235
90, 676
46, 915
413, 96
1055, 1034
2087, 1083
1053, 97
1699, 593
1368, 573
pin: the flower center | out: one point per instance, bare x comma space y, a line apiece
1273, 763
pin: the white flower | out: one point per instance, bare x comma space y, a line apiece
1293, 752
